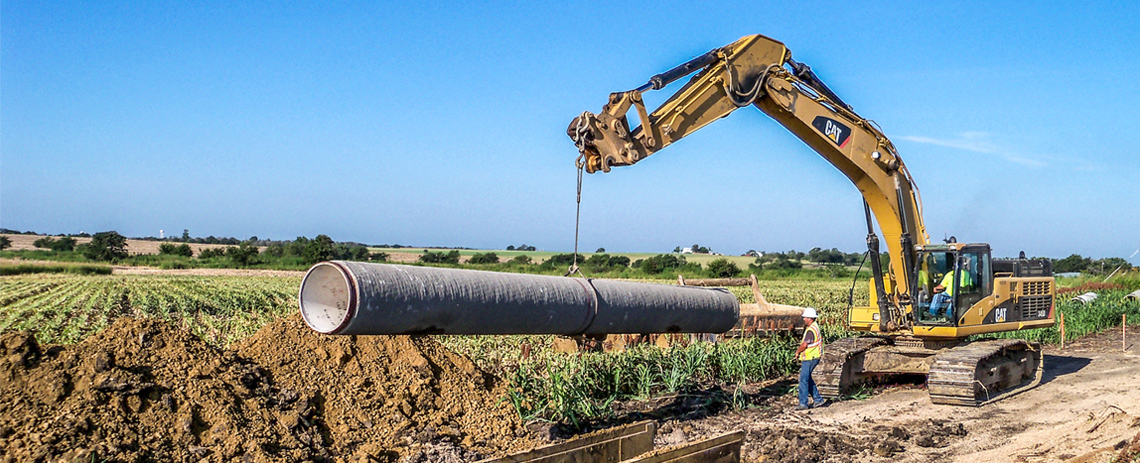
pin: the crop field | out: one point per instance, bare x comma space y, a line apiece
65, 308
255, 318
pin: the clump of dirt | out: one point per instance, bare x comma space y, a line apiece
795, 445
145, 390
937, 433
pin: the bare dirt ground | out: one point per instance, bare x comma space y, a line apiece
1087, 409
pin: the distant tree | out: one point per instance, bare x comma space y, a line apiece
561, 260
511, 247
604, 262
661, 263
107, 246
179, 250
243, 254
722, 268
1073, 263
185, 235
1108, 265
5, 243
349, 251
521, 259
600, 250
837, 271
782, 262
210, 253
64, 244
677, 249
429, 257
487, 258
275, 250
318, 249
378, 257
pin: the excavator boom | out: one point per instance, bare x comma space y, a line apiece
759, 71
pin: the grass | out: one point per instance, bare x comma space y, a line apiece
61, 267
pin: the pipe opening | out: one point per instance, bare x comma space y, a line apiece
326, 298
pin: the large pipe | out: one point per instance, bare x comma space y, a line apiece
341, 297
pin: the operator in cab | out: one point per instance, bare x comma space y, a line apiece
809, 354
944, 292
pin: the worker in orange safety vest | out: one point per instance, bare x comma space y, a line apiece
809, 354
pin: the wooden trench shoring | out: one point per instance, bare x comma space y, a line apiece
631, 443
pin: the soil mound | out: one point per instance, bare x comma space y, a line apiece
145, 390
399, 390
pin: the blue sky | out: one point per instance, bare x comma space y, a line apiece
444, 123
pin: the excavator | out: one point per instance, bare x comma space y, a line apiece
929, 311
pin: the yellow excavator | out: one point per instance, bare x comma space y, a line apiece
933, 296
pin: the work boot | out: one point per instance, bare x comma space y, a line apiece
802, 407
822, 403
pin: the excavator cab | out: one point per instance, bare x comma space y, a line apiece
951, 279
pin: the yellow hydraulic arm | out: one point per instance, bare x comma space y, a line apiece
757, 70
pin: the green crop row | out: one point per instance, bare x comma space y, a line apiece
59, 267
569, 388
219, 309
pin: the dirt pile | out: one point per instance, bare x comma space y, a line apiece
144, 390
393, 389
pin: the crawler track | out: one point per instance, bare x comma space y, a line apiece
981, 372
842, 361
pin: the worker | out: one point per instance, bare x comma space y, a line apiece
809, 353
944, 292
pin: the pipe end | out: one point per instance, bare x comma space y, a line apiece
328, 298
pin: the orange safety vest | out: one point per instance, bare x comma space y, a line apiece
815, 348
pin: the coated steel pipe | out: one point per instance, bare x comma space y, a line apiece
341, 297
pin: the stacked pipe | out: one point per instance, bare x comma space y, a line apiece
342, 297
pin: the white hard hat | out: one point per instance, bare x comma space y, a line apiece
810, 313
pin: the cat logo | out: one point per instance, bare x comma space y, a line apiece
833, 130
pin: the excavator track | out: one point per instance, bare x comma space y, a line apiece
841, 364
981, 372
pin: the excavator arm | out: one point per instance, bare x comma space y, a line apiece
759, 71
